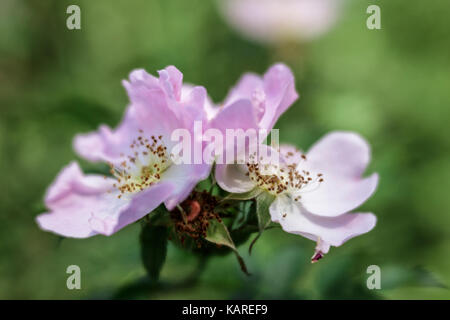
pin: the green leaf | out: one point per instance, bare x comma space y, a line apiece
243, 214
153, 249
243, 196
159, 217
218, 233
263, 202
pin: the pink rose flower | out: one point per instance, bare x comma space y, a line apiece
144, 175
314, 193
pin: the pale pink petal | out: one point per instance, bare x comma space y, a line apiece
279, 89
239, 115
171, 79
82, 206
198, 98
151, 109
184, 177
106, 144
342, 158
142, 77
71, 179
143, 203
232, 178
328, 230
341, 153
337, 195
245, 88
270, 95
149, 112
192, 107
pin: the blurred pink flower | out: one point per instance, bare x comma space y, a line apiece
275, 21
314, 192
144, 175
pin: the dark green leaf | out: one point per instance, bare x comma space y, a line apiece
263, 202
153, 249
218, 233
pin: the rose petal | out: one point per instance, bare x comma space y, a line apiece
331, 230
106, 144
244, 89
275, 92
337, 195
279, 87
340, 153
239, 115
342, 158
184, 177
83, 206
171, 79
232, 178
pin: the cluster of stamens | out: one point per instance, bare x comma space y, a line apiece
143, 167
283, 177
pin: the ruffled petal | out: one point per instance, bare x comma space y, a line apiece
270, 95
171, 79
327, 231
245, 88
239, 115
279, 88
148, 115
71, 179
192, 107
105, 144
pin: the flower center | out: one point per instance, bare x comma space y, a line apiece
284, 178
143, 167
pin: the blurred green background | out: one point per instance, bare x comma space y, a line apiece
390, 85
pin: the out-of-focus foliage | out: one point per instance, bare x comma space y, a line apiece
390, 85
